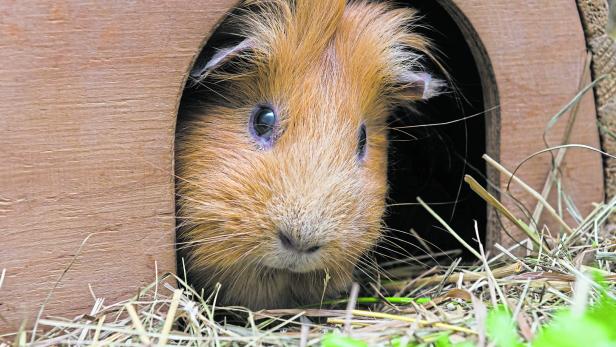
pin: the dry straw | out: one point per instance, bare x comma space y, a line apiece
418, 303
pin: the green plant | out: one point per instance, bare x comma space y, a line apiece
596, 326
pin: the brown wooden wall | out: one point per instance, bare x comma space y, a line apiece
88, 99
89, 92
531, 56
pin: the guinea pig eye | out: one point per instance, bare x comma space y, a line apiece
263, 122
361, 144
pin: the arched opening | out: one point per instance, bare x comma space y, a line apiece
431, 161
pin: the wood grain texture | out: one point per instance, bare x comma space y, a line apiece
88, 103
531, 55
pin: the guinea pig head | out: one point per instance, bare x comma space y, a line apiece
282, 157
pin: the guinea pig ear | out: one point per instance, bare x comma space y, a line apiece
223, 55
419, 86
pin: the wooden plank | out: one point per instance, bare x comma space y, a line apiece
88, 100
531, 56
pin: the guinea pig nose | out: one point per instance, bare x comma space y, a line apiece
292, 244
286, 240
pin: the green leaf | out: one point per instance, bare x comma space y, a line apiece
443, 341
464, 344
567, 330
335, 340
423, 300
603, 312
374, 300
501, 328
398, 342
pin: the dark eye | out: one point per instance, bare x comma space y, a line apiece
361, 144
263, 122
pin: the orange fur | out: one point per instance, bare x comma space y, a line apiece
326, 67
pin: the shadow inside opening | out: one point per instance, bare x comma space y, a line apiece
430, 162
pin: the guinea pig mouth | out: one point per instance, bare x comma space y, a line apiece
295, 262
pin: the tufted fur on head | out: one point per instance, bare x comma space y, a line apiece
326, 67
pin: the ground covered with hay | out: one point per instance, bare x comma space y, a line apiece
545, 291
555, 288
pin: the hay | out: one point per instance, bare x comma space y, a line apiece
424, 305
411, 302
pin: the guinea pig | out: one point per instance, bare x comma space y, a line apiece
281, 152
